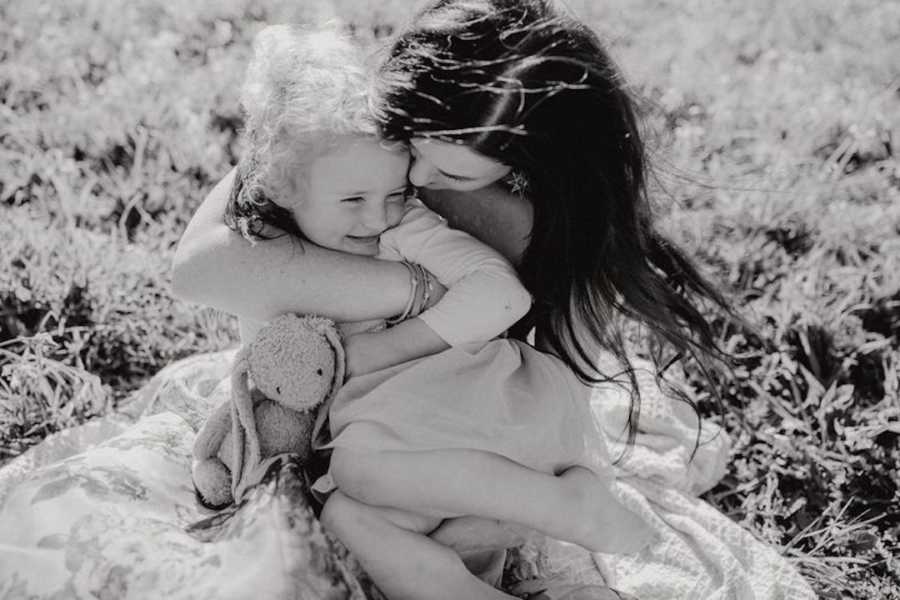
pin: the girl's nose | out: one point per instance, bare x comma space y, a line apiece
421, 173
377, 218
383, 215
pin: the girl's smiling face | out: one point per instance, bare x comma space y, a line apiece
437, 164
352, 195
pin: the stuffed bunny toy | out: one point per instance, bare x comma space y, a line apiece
296, 365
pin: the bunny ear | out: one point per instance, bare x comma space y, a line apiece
340, 359
340, 368
212, 433
243, 422
327, 328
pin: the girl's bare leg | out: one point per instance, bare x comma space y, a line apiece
472, 534
482, 543
576, 506
400, 559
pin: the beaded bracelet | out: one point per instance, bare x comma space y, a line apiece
413, 293
422, 278
427, 289
421, 286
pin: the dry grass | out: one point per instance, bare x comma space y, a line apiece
774, 128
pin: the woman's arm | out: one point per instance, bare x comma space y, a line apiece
216, 266
484, 296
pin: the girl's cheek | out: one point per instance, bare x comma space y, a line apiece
395, 214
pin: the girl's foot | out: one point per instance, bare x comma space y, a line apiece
594, 517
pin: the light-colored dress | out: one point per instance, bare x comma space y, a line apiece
502, 396
484, 393
107, 510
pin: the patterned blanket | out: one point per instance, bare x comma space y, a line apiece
107, 510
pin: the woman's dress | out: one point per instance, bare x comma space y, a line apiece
107, 510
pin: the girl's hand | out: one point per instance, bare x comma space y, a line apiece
360, 353
437, 292
411, 339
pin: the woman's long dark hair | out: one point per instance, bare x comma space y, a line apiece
525, 84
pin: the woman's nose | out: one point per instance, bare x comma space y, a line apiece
421, 173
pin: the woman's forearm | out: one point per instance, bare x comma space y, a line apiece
217, 267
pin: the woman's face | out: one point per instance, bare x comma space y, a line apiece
443, 165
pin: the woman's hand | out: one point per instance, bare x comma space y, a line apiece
361, 353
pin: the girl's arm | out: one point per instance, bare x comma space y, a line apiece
368, 352
217, 267
484, 296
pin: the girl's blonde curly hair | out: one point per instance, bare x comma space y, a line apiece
303, 91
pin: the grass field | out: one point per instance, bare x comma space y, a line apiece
774, 129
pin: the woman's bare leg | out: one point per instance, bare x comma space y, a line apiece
577, 506
403, 563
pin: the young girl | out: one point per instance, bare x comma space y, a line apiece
488, 427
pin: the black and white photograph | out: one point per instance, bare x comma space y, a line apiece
449, 300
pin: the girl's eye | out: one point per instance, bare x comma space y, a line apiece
352, 199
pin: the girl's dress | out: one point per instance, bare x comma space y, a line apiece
484, 393
501, 396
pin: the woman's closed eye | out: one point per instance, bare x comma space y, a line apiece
454, 177
399, 195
